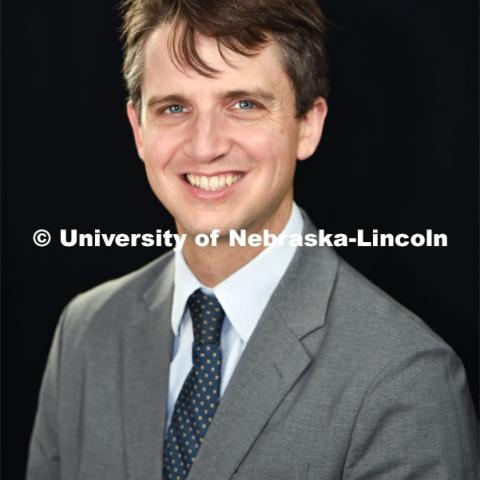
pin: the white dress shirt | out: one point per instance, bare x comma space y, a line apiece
243, 296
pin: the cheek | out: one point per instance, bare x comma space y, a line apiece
260, 143
272, 150
160, 150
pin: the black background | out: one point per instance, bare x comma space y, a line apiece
399, 154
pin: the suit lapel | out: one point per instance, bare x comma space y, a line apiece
147, 350
268, 368
271, 363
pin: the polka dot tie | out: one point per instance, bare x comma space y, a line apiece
200, 394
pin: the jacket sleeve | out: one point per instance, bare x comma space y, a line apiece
44, 456
416, 422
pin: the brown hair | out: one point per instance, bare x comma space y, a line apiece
243, 26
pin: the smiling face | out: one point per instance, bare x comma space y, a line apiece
221, 152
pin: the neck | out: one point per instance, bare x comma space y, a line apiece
212, 265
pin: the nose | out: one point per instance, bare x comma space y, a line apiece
208, 139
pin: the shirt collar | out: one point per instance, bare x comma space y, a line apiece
244, 294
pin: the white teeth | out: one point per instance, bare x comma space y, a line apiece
193, 179
211, 184
204, 183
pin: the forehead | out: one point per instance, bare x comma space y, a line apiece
160, 71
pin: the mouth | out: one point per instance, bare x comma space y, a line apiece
213, 183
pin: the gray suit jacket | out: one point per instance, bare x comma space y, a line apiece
338, 381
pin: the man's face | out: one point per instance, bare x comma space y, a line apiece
221, 152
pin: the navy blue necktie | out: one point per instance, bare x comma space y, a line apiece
200, 394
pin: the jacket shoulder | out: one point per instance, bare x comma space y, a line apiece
109, 305
375, 322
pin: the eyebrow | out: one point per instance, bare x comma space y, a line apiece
257, 93
155, 100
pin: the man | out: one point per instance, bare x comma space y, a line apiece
226, 362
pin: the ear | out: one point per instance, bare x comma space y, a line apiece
133, 117
311, 128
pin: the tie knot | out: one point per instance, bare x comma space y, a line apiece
207, 317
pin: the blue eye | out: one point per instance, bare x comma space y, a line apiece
246, 105
175, 109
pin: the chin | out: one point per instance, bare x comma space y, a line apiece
207, 229
197, 226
